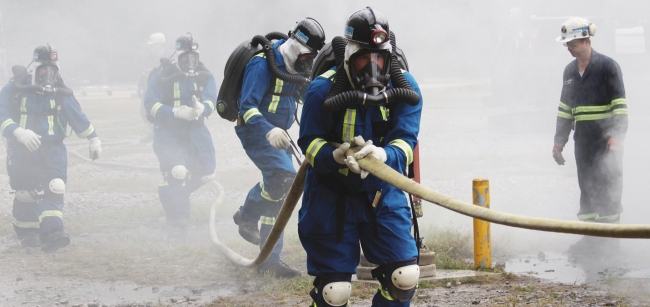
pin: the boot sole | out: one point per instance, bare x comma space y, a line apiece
55, 245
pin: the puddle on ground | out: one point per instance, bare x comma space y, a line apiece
72, 293
563, 269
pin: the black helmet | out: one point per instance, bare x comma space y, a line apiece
309, 33
368, 28
186, 43
45, 54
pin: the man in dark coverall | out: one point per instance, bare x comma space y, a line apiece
593, 99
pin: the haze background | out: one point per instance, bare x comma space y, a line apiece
490, 72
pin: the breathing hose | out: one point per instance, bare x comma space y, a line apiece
270, 59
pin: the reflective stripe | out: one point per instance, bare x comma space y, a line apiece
87, 132
50, 119
23, 109
266, 195
21, 224
313, 148
273, 106
261, 55
50, 213
348, 124
585, 117
405, 147
267, 220
619, 101
595, 217
250, 113
385, 294
155, 108
384, 113
210, 104
177, 95
6, 124
344, 171
584, 109
620, 112
564, 115
328, 74
196, 88
564, 106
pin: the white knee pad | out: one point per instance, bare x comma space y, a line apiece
179, 172
25, 196
207, 178
406, 277
57, 186
337, 293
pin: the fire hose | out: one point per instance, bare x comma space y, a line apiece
389, 175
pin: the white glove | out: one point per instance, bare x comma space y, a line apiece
353, 165
184, 112
198, 107
377, 152
95, 148
367, 148
339, 153
28, 138
278, 138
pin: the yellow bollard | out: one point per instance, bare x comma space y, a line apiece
482, 235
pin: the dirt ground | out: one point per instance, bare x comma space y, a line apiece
122, 254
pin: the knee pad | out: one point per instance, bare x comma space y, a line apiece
332, 291
279, 184
399, 278
177, 175
179, 172
57, 186
25, 196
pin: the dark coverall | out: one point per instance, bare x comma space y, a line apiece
178, 142
596, 104
266, 102
30, 173
336, 212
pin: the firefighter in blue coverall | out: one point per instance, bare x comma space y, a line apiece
178, 99
337, 211
267, 107
34, 116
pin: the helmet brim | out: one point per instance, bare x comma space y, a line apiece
565, 39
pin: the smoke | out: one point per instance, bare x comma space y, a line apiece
490, 72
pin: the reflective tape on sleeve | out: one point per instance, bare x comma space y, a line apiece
313, 148
404, 146
155, 108
87, 132
250, 113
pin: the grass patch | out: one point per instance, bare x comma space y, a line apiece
452, 248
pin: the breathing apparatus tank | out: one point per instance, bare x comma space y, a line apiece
233, 74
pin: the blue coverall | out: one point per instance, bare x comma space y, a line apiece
266, 102
179, 142
330, 238
31, 172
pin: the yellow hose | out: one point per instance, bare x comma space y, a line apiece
290, 201
383, 172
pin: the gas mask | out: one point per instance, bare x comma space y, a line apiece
368, 70
303, 64
188, 61
46, 75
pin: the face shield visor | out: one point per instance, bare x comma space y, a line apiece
304, 64
368, 70
46, 75
188, 61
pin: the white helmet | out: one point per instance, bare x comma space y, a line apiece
156, 38
576, 28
